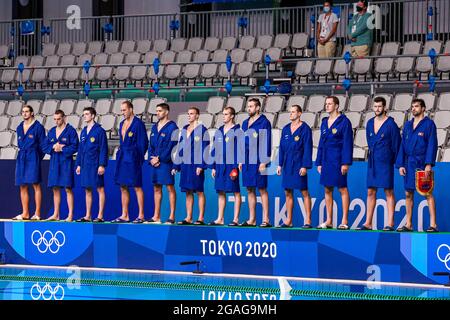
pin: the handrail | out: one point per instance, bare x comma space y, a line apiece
223, 62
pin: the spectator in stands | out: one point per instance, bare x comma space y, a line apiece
334, 156
30, 140
360, 31
61, 145
418, 151
193, 146
326, 32
258, 143
163, 138
295, 157
225, 167
92, 159
130, 157
383, 139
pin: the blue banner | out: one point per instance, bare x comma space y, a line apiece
326, 254
9, 197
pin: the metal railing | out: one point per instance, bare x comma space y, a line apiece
399, 21
294, 59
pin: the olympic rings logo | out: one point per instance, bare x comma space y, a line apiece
445, 258
48, 241
47, 292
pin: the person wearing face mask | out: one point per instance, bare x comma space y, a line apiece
360, 32
327, 25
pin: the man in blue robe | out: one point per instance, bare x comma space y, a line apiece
383, 140
163, 138
258, 150
61, 145
295, 157
334, 156
418, 151
30, 139
130, 157
225, 167
193, 148
92, 159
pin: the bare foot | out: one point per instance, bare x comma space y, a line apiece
54, 217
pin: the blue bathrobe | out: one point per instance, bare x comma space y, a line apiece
383, 149
418, 148
131, 154
335, 149
161, 145
225, 155
61, 170
28, 162
92, 153
258, 141
295, 153
193, 152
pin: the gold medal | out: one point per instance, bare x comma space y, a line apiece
297, 138
197, 138
227, 139
130, 134
334, 130
255, 134
92, 139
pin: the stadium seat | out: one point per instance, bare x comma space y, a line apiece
143, 46
402, 102
5, 138
178, 44
211, 44
274, 104
79, 48
215, 104
128, 46
195, 44
296, 100
264, 42
112, 46
67, 105
247, 42
4, 122
160, 45
14, 107
299, 43
228, 43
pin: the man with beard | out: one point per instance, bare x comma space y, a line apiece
383, 139
417, 152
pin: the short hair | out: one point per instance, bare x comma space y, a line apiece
299, 109
197, 110
30, 108
256, 101
231, 109
128, 103
60, 113
419, 101
364, 2
91, 110
164, 105
380, 99
335, 99
329, 1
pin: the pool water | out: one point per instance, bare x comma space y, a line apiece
72, 283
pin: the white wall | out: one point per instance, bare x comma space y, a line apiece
6, 11
57, 9
151, 6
